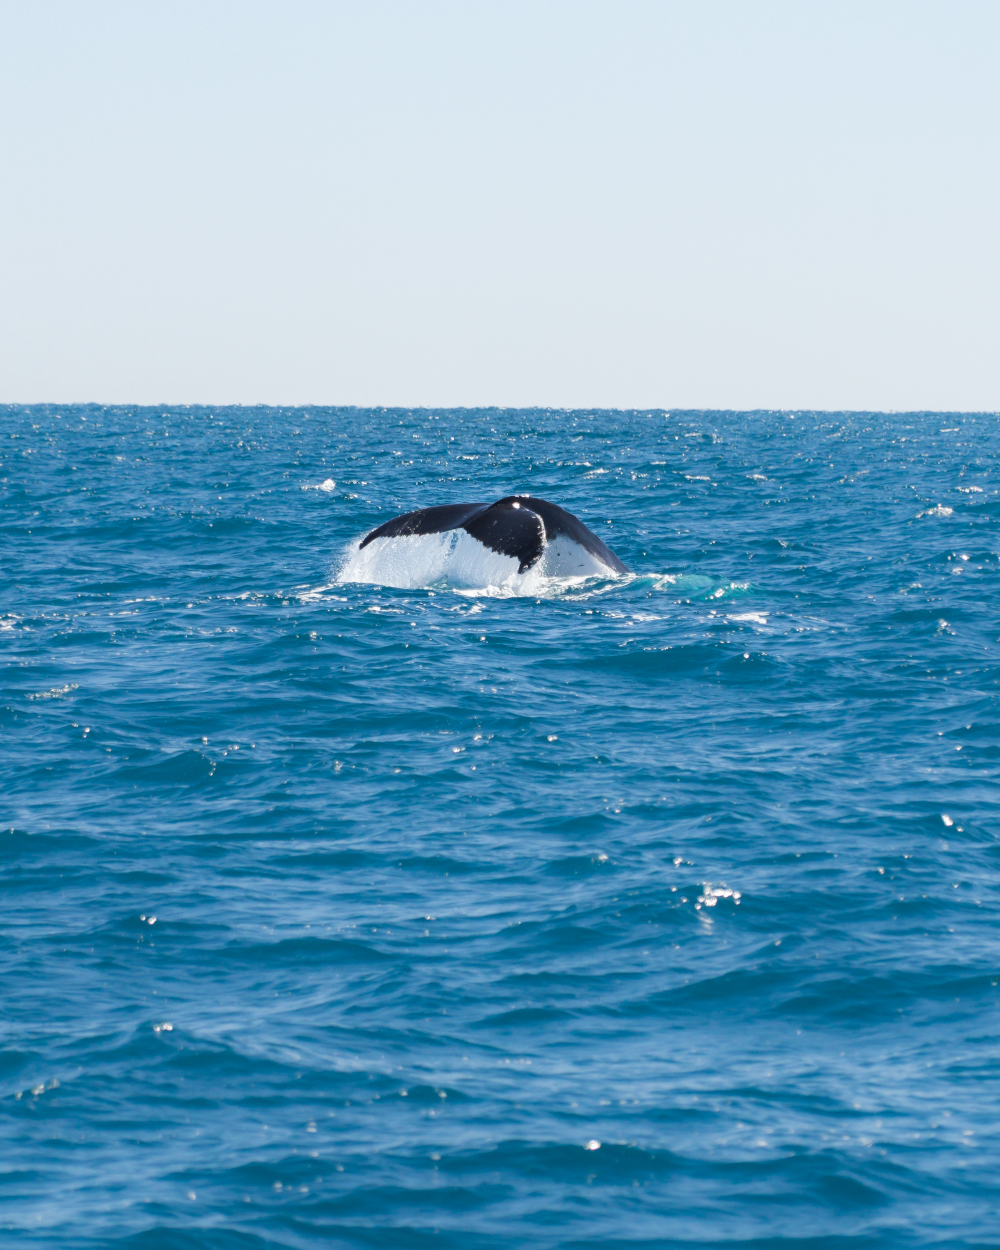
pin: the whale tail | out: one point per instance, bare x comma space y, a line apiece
518, 526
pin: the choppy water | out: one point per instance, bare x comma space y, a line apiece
342, 915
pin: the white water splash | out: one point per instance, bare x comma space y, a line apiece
457, 561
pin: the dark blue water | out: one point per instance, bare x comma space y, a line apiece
658, 912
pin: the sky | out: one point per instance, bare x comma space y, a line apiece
706, 204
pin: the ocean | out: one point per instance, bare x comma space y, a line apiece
432, 911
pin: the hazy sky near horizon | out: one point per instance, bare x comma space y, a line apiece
717, 203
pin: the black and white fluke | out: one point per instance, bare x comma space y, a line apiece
519, 527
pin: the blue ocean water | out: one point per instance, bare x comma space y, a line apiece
651, 912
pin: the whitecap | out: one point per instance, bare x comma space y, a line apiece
315, 594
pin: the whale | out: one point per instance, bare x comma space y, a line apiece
524, 528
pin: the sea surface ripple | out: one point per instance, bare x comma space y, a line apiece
651, 912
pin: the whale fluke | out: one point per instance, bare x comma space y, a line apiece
519, 526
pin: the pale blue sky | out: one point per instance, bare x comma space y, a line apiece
710, 204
